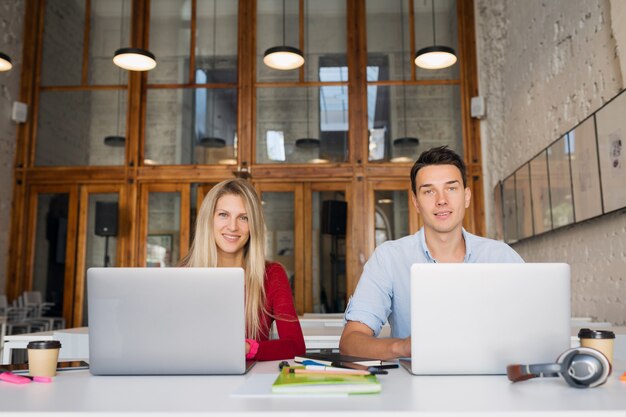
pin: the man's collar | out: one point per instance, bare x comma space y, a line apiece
426, 251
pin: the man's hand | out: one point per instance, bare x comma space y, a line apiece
358, 339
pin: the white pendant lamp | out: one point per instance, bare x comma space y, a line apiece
134, 59
283, 57
5, 62
436, 56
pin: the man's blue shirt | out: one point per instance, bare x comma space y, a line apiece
383, 292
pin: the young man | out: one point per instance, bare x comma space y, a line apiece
440, 196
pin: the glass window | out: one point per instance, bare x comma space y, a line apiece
523, 201
81, 128
406, 120
585, 171
290, 129
109, 30
391, 215
540, 189
101, 250
163, 249
170, 36
324, 34
278, 209
63, 29
216, 41
329, 251
510, 210
191, 126
50, 249
560, 184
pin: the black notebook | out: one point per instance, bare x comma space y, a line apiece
329, 359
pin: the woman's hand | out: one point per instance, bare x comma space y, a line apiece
247, 347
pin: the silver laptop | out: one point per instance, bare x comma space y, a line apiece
479, 318
159, 321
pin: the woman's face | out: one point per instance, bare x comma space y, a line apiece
230, 226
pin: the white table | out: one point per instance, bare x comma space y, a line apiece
80, 392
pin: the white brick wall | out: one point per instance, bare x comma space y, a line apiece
543, 68
11, 23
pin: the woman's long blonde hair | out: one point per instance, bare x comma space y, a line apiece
203, 251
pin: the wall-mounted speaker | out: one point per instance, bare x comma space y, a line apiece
334, 217
106, 218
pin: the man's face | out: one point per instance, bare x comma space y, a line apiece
440, 197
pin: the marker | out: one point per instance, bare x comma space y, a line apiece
312, 369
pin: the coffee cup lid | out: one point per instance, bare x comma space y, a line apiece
44, 344
595, 334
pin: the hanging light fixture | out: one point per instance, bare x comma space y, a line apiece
283, 57
405, 141
5, 62
213, 141
307, 142
117, 140
134, 59
436, 56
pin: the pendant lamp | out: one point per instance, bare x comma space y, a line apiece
283, 57
5, 62
213, 141
406, 141
134, 59
436, 56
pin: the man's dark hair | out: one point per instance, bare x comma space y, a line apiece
441, 155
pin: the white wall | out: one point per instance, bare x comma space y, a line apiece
543, 67
11, 23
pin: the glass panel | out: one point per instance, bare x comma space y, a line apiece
446, 34
510, 210
278, 209
328, 252
388, 40
72, 127
191, 126
325, 35
216, 40
101, 250
523, 201
585, 171
560, 184
109, 31
162, 249
285, 116
611, 142
170, 36
50, 245
63, 28
391, 215
540, 189
403, 121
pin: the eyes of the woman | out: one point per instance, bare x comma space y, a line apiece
225, 215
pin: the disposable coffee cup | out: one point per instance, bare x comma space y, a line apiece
601, 340
42, 357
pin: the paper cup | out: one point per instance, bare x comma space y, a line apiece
601, 340
42, 357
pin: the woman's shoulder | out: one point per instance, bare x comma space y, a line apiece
273, 268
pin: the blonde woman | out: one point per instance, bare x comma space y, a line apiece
230, 232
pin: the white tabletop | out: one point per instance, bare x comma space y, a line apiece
79, 391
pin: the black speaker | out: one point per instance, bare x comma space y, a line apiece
334, 216
106, 218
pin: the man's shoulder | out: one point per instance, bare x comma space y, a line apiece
491, 250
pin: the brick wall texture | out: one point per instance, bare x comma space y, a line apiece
544, 66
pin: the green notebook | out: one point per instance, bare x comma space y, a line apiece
295, 383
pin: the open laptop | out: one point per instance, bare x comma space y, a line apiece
159, 321
479, 318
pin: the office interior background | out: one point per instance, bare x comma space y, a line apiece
155, 142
